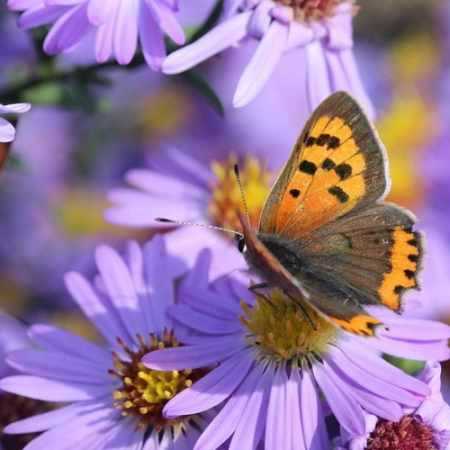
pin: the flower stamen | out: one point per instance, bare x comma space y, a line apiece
145, 392
282, 331
311, 10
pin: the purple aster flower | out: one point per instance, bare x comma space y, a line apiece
110, 399
319, 31
271, 365
7, 131
118, 25
183, 187
426, 427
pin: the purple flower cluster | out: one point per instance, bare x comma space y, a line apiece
118, 26
194, 364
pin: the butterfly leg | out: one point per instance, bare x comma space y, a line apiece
302, 309
255, 287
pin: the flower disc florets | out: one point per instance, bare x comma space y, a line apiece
308, 10
281, 330
226, 199
144, 392
410, 433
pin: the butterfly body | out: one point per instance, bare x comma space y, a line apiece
325, 234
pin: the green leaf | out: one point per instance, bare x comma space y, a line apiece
409, 366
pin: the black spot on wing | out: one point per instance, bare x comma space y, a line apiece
307, 167
343, 171
399, 289
334, 142
409, 274
413, 258
328, 164
295, 193
323, 139
339, 193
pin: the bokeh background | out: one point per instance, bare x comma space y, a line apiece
85, 132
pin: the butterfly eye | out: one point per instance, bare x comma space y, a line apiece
242, 247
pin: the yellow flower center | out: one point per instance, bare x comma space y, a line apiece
226, 198
281, 330
145, 392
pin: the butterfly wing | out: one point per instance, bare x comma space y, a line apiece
337, 165
373, 254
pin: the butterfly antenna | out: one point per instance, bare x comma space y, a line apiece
241, 189
201, 225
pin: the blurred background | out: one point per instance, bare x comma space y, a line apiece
84, 133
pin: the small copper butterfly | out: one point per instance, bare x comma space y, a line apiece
325, 235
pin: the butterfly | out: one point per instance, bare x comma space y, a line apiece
325, 234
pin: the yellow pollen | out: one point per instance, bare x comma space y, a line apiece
144, 392
226, 199
281, 331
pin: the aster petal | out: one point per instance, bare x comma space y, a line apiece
198, 277
139, 209
262, 64
296, 437
158, 276
212, 389
166, 20
104, 41
340, 28
347, 411
226, 421
315, 436
68, 30
358, 353
419, 346
99, 11
211, 304
164, 185
41, 15
277, 435
96, 310
218, 39
58, 366
7, 131
77, 433
126, 31
189, 168
299, 35
119, 285
203, 323
45, 421
250, 428
195, 356
49, 336
15, 108
51, 390
365, 379
13, 334
152, 38
356, 87
226, 256
318, 83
